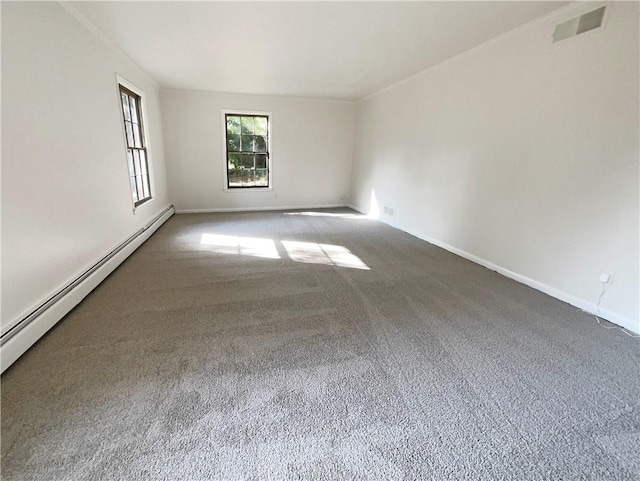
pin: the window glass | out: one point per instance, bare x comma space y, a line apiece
247, 150
137, 159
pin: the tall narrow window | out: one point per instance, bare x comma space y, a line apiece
136, 147
247, 150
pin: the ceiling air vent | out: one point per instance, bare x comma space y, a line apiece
579, 25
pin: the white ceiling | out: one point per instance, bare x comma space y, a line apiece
341, 50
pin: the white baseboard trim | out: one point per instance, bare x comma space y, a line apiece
33, 327
256, 209
590, 307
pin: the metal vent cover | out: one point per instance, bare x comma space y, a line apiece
578, 25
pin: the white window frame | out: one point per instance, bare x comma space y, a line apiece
145, 130
225, 179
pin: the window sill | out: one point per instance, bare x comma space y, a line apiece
143, 204
247, 189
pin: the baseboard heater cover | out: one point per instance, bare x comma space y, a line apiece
34, 325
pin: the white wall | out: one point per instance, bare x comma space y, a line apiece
312, 146
521, 153
65, 187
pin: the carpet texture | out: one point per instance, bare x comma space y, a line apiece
319, 346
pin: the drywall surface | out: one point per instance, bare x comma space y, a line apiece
520, 153
311, 142
66, 200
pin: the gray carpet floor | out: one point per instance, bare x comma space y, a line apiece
285, 346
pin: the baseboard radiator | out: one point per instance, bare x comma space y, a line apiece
26, 332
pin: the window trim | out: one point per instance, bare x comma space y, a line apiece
128, 87
225, 172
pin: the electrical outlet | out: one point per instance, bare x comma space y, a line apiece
342, 197
390, 211
606, 278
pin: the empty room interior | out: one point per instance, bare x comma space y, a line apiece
320, 240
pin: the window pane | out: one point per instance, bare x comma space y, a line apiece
145, 186
261, 161
143, 162
248, 143
233, 125
235, 178
129, 129
130, 162
260, 144
125, 106
260, 126
133, 189
233, 161
247, 178
233, 143
136, 162
240, 175
247, 125
262, 178
134, 110
246, 161
139, 186
136, 135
